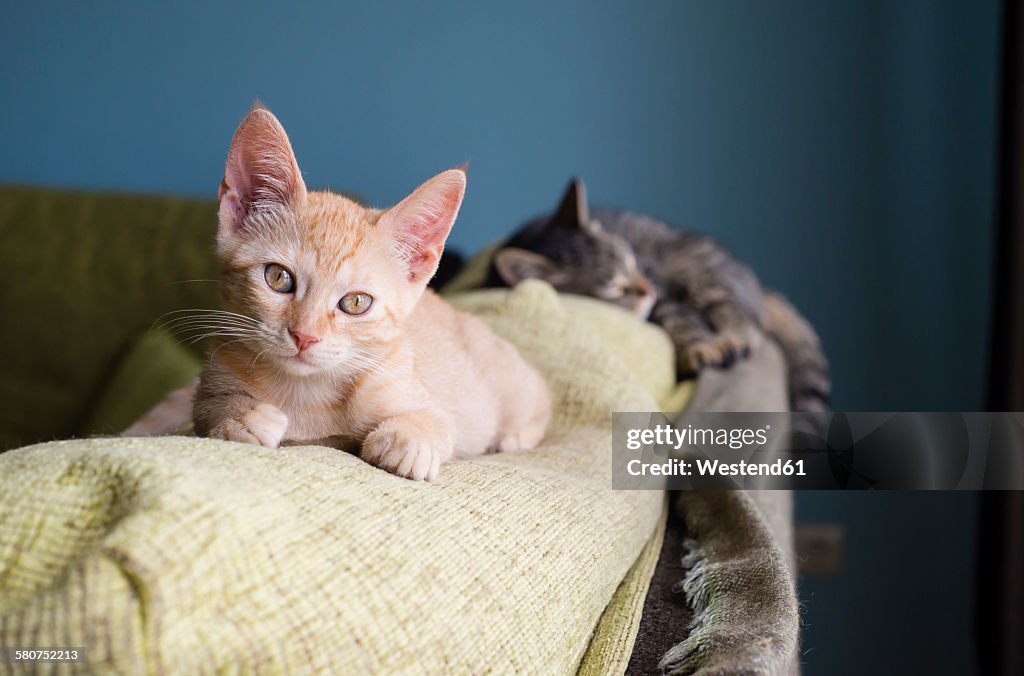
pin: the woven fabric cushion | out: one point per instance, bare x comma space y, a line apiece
185, 555
156, 364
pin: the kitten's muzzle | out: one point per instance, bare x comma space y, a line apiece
640, 296
640, 287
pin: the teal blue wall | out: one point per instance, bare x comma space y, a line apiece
844, 148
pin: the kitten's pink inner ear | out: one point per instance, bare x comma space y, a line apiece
421, 222
261, 171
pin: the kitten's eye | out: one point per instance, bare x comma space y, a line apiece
355, 303
278, 278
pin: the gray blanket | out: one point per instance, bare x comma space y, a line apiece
739, 556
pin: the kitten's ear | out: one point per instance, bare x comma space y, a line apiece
573, 210
514, 265
261, 170
421, 222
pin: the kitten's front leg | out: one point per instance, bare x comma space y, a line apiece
717, 338
238, 417
263, 424
696, 345
738, 333
413, 444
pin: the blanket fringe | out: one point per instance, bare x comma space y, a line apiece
737, 583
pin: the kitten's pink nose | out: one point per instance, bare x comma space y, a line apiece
640, 287
303, 340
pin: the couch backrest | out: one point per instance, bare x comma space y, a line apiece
84, 275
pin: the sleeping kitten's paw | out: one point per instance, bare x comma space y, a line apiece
263, 425
720, 351
412, 446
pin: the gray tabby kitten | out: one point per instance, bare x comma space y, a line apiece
711, 305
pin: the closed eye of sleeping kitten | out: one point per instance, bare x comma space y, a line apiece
711, 305
328, 331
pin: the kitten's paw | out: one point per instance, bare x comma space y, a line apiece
521, 440
262, 425
409, 450
267, 423
720, 351
510, 443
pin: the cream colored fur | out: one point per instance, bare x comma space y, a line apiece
411, 383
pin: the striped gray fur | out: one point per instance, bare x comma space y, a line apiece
712, 305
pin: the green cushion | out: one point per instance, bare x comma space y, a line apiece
155, 365
182, 555
85, 275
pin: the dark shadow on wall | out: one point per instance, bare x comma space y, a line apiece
1000, 584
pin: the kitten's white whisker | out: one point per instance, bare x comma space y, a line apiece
257, 358
368, 364
192, 340
218, 334
220, 320
191, 326
223, 320
207, 313
225, 345
186, 330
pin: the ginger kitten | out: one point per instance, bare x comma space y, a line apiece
330, 334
